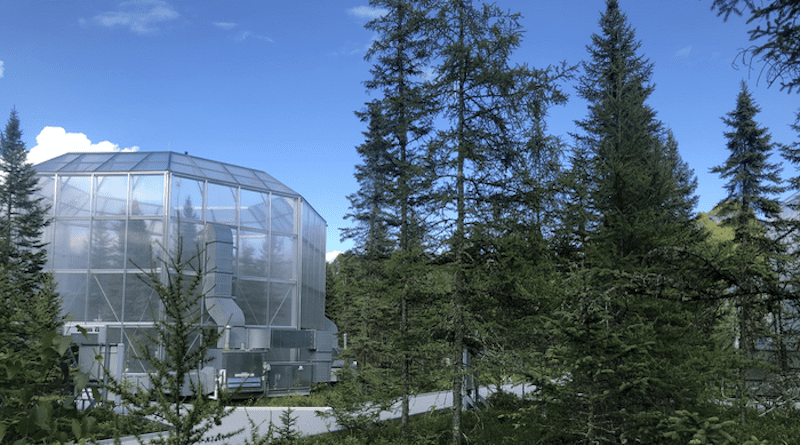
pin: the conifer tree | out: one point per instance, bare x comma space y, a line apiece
386, 207
622, 335
751, 210
488, 106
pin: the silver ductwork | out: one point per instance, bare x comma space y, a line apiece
218, 287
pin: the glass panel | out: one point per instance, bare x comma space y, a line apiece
272, 183
123, 162
111, 195
253, 210
284, 257
221, 204
144, 244
253, 254
105, 297
72, 289
147, 195
251, 296
282, 298
153, 162
141, 301
245, 176
191, 235
282, 214
71, 244
107, 244
187, 199
47, 188
213, 170
74, 193
88, 162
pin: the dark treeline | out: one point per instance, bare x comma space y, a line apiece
486, 247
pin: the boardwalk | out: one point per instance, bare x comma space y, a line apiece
310, 423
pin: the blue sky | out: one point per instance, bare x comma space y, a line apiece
273, 85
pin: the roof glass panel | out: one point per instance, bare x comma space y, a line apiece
160, 161
214, 170
156, 161
56, 164
122, 163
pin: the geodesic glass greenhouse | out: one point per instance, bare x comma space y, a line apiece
115, 214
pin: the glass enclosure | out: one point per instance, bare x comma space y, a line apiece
115, 213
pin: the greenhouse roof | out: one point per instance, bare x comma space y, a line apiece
160, 161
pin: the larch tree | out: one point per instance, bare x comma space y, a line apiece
390, 227
487, 106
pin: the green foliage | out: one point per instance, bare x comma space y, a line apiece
33, 412
776, 37
691, 428
174, 353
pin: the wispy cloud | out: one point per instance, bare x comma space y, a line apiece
684, 52
244, 35
330, 256
2, 69
226, 25
141, 16
367, 12
55, 141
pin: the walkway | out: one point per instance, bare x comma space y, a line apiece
309, 423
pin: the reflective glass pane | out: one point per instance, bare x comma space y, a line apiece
72, 289
282, 298
141, 301
284, 257
143, 244
107, 244
221, 204
105, 297
71, 246
47, 188
191, 238
283, 210
111, 195
147, 195
251, 296
253, 210
253, 254
187, 199
74, 195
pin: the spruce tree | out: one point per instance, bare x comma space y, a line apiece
751, 210
30, 309
35, 306
622, 334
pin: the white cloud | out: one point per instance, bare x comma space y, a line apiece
2, 69
141, 16
249, 35
684, 52
226, 25
367, 12
330, 256
55, 141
